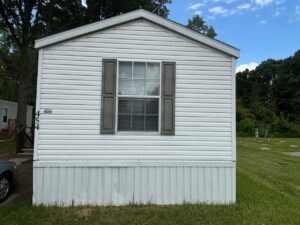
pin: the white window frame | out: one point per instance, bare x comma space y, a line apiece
138, 96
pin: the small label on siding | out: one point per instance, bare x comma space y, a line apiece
48, 111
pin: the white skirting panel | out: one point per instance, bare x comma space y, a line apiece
66, 186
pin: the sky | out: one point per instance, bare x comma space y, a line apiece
261, 29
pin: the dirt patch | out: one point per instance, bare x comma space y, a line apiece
296, 154
19, 161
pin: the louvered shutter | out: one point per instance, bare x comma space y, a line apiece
108, 99
168, 98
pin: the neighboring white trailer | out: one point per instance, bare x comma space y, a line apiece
8, 112
135, 109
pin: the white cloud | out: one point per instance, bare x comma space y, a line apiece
244, 6
296, 16
195, 6
198, 12
277, 13
263, 2
211, 18
249, 66
263, 22
297, 10
278, 2
221, 11
218, 11
224, 1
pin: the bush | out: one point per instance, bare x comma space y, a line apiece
282, 127
246, 127
261, 117
243, 113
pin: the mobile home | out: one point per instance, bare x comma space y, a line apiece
8, 115
134, 109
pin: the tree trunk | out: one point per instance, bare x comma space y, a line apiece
23, 87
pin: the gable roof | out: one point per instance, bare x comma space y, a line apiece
12, 102
134, 15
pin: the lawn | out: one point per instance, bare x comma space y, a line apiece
7, 149
268, 192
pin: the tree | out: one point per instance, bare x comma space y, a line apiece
17, 20
271, 95
8, 82
102, 9
23, 21
62, 15
198, 24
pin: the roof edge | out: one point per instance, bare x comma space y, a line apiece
13, 102
137, 14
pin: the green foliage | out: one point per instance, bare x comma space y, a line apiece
20, 26
8, 83
246, 127
270, 95
243, 113
198, 24
102, 9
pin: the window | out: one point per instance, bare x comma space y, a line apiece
138, 96
5, 113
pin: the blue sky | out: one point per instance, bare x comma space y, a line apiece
261, 29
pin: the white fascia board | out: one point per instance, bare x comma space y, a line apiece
86, 29
138, 14
171, 25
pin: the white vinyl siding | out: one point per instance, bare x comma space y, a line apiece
71, 87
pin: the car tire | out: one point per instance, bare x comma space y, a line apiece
5, 187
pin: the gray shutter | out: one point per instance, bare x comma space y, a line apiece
168, 98
108, 103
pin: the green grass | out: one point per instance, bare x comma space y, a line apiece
7, 149
268, 192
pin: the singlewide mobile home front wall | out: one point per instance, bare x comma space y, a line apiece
75, 164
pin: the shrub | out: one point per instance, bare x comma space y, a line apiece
246, 126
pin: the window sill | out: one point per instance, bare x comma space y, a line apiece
137, 133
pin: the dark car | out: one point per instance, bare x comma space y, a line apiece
7, 178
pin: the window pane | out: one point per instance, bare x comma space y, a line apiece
138, 88
124, 106
5, 112
153, 70
139, 70
124, 122
138, 79
138, 114
125, 87
152, 107
138, 123
138, 106
151, 123
152, 88
125, 70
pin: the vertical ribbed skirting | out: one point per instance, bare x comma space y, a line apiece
65, 186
